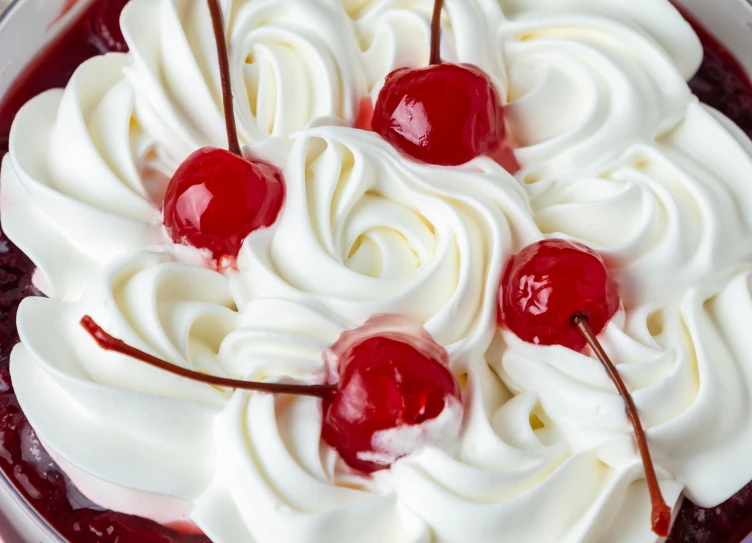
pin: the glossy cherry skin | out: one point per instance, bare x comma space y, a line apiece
443, 114
384, 383
215, 199
547, 284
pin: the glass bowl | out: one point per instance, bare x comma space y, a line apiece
27, 26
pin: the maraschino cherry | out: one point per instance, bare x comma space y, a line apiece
217, 197
560, 292
544, 281
390, 377
387, 380
443, 114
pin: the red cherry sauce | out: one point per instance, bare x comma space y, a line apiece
720, 82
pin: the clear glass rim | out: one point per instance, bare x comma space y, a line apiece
5, 14
6, 484
23, 505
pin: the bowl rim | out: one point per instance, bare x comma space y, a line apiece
14, 499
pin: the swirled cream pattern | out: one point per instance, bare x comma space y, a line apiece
387, 235
667, 214
291, 61
614, 151
583, 89
686, 366
108, 414
78, 182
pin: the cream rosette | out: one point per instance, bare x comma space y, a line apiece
291, 62
366, 231
504, 480
81, 178
677, 39
586, 83
517, 477
276, 480
115, 420
667, 215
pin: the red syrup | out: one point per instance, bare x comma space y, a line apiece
720, 82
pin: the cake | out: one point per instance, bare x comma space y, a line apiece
309, 217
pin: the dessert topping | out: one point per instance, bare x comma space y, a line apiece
393, 388
217, 197
443, 114
560, 292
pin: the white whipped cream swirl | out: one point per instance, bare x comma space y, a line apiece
291, 61
79, 180
584, 88
366, 231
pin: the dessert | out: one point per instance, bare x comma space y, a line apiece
613, 151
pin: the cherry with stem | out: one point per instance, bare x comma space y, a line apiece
216, 198
387, 380
444, 114
110, 343
560, 292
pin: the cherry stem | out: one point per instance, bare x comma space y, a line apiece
435, 57
661, 514
109, 343
233, 143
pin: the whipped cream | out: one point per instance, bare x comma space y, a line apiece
667, 215
614, 152
77, 181
366, 231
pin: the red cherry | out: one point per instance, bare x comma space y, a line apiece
548, 283
105, 26
392, 375
215, 199
444, 114
385, 383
